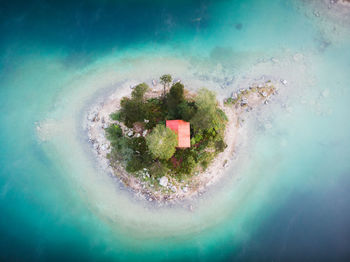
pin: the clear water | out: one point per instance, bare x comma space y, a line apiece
286, 194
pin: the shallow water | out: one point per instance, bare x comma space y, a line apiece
286, 194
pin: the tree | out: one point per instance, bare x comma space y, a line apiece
186, 110
174, 98
177, 92
206, 115
162, 142
165, 80
133, 109
139, 92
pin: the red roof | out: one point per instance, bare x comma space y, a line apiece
182, 129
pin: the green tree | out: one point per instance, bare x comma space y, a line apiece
162, 142
133, 109
165, 80
206, 115
139, 92
174, 98
186, 110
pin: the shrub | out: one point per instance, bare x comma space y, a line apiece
139, 92
115, 116
114, 132
220, 145
158, 169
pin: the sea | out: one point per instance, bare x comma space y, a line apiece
286, 193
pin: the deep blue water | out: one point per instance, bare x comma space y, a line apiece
295, 210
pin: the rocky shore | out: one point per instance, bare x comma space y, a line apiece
168, 189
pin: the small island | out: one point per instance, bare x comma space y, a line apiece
167, 143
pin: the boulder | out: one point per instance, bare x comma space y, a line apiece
163, 181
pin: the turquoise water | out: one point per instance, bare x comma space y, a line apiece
286, 195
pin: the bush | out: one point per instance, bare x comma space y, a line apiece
114, 132
158, 169
205, 159
115, 116
220, 145
134, 164
139, 92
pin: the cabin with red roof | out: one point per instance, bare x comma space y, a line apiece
182, 129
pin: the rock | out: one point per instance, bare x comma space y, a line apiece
264, 94
163, 181
130, 133
92, 116
105, 125
244, 101
266, 102
316, 13
138, 135
146, 120
284, 82
234, 95
174, 189
185, 189
144, 133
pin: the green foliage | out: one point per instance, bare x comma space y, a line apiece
157, 152
187, 110
158, 169
165, 80
176, 92
139, 92
114, 132
220, 145
174, 98
188, 165
206, 115
154, 112
134, 164
133, 110
162, 142
205, 159
115, 116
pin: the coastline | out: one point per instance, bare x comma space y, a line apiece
97, 119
